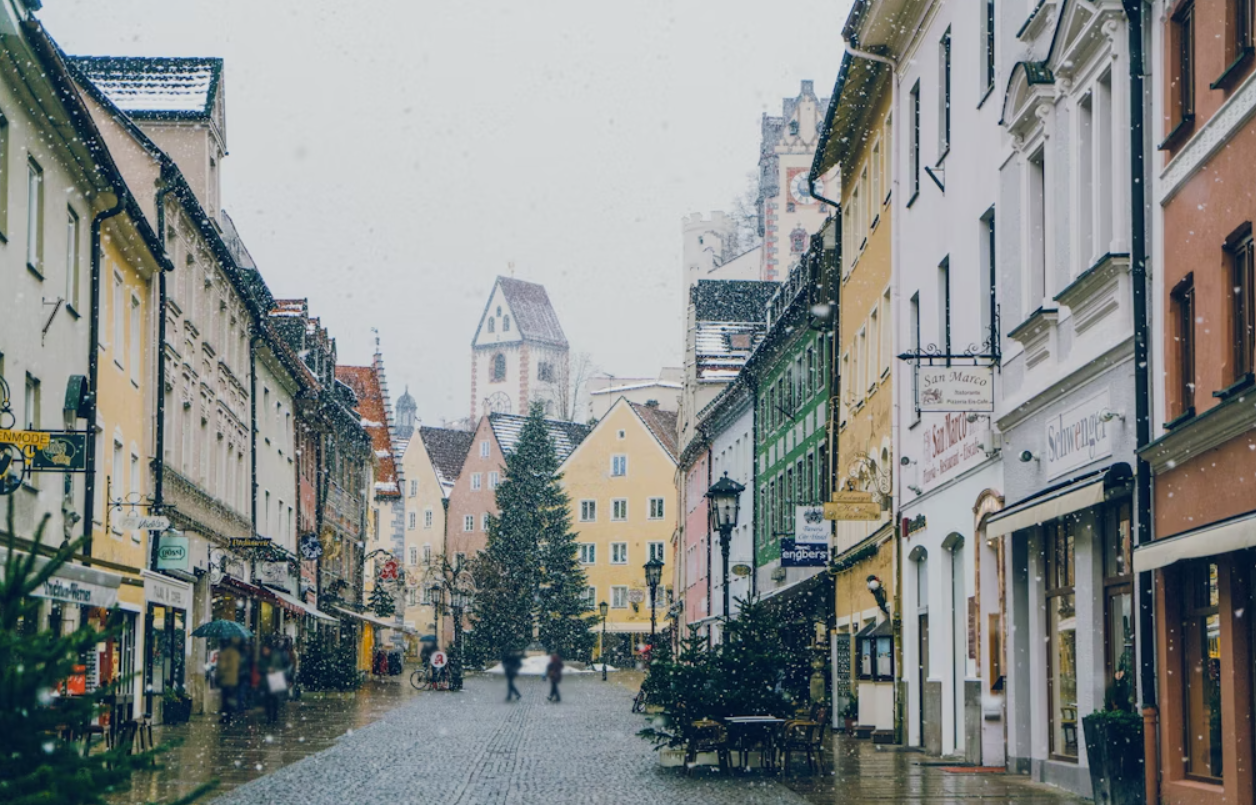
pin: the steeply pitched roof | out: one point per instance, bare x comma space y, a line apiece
534, 315
155, 87
662, 424
566, 435
364, 382
448, 450
731, 300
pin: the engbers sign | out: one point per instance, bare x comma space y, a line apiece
955, 388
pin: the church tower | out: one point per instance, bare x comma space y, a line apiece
519, 353
407, 416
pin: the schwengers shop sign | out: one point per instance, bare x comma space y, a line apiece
1078, 436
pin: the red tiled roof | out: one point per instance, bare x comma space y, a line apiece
365, 384
662, 424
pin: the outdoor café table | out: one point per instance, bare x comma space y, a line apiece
747, 732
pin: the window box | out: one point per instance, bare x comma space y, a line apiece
1232, 73
1179, 133
1244, 383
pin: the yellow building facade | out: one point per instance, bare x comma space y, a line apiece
621, 485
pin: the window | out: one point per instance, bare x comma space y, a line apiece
468, 522
656, 508
413, 555
987, 300
412, 598
874, 348
1184, 30
460, 559
1036, 220
619, 466
499, 368
876, 657
589, 599
72, 277
987, 82
484, 449
135, 340
619, 597
476, 479
944, 95
484, 522
588, 511
4, 177
1201, 641
656, 551
119, 479
619, 553
545, 372
34, 216
1182, 301
1243, 304
1118, 589
493, 480
427, 518
588, 553
505, 324
414, 488
1242, 29
914, 155
944, 304
621, 435
860, 378
32, 403
491, 323
1061, 640
413, 520
118, 347
619, 509
874, 200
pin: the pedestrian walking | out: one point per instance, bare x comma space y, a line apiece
276, 682
511, 662
554, 673
228, 677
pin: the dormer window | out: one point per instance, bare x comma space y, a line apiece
793, 127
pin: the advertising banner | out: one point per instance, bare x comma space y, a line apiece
805, 555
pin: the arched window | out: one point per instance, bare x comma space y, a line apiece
499, 368
492, 324
505, 324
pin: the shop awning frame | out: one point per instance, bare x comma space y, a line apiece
1233, 534
1064, 498
101, 586
365, 618
288, 601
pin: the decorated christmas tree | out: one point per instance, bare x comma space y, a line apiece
381, 601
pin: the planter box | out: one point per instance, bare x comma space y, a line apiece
176, 712
1114, 747
671, 758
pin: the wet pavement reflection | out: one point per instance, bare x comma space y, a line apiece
250, 747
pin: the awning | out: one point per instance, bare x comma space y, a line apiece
1066, 498
74, 584
320, 614
365, 618
245, 587
1234, 534
289, 602
811, 596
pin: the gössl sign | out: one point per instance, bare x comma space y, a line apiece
955, 388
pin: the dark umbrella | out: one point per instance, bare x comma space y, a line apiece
428, 638
222, 629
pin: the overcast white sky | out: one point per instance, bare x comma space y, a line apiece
388, 159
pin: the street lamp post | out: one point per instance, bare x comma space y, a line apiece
724, 499
457, 600
653, 575
603, 608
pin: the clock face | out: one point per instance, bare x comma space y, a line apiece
801, 190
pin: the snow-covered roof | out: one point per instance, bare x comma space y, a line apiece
722, 348
447, 449
662, 384
534, 315
662, 424
731, 300
566, 435
365, 384
155, 87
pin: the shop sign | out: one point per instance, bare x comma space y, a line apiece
1079, 435
310, 547
805, 555
810, 525
275, 573
915, 525
26, 439
848, 506
248, 542
166, 592
64, 452
172, 552
955, 388
388, 570
951, 444
741, 570
134, 521
83, 593
12, 468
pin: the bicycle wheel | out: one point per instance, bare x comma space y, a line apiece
416, 680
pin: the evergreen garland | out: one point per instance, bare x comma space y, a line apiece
381, 601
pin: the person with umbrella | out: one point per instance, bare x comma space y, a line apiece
229, 659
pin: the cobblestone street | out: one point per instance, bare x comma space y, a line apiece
390, 744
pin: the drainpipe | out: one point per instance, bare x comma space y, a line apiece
1142, 395
253, 429
159, 460
93, 369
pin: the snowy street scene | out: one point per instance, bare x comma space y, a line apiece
573, 403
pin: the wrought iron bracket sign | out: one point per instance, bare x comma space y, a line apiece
948, 381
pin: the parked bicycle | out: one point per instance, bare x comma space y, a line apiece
640, 701
430, 679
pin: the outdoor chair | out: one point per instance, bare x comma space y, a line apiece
706, 736
805, 737
124, 736
762, 738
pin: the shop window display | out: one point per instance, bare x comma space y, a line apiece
1062, 640
1201, 638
